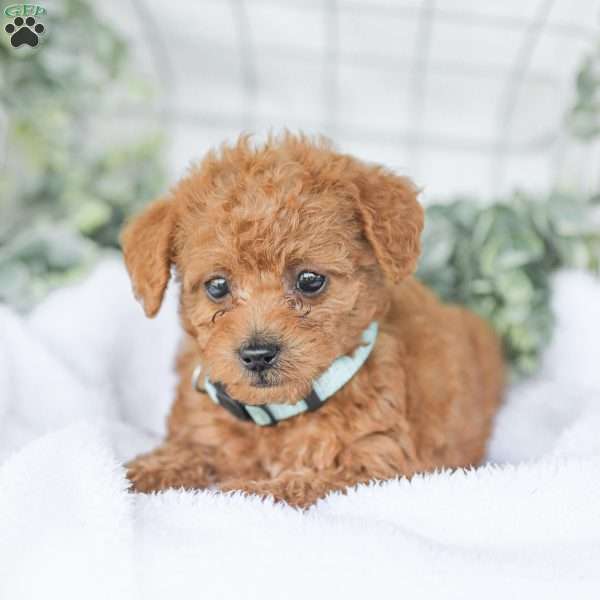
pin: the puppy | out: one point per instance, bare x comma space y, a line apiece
312, 360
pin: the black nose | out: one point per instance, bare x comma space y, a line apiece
258, 356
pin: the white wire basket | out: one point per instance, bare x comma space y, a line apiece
466, 97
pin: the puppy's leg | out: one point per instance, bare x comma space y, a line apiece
172, 465
299, 488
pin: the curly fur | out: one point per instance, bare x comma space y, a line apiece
258, 215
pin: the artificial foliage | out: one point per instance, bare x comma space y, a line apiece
498, 260
67, 178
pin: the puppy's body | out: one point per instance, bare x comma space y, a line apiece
425, 397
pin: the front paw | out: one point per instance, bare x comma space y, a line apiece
295, 492
146, 477
160, 470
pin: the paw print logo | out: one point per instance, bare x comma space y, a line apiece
24, 32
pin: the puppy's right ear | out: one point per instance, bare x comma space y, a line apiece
146, 243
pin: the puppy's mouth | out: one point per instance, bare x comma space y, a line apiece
264, 384
265, 380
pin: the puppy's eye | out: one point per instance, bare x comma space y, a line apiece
310, 283
217, 288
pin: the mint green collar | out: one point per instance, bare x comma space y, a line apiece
338, 374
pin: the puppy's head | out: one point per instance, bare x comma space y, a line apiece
285, 254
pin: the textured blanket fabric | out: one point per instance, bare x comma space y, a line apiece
86, 382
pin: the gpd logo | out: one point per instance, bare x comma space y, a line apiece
24, 28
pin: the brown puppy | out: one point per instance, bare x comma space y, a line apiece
286, 254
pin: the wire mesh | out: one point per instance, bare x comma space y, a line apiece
467, 97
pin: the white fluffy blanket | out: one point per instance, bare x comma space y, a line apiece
86, 382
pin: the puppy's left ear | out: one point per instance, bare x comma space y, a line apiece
392, 220
146, 243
